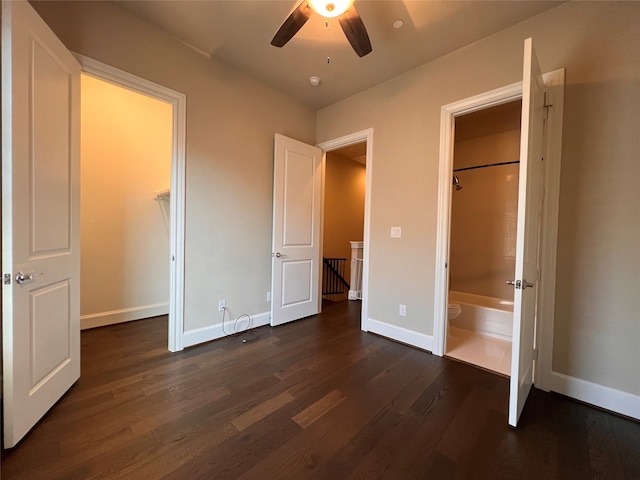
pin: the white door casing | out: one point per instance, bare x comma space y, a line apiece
448, 115
40, 219
345, 141
530, 197
297, 197
177, 191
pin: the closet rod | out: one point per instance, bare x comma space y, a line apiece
484, 166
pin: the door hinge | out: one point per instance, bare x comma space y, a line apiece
546, 105
535, 354
7, 279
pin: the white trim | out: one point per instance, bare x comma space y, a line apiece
604, 397
177, 199
447, 123
399, 334
345, 141
213, 332
101, 319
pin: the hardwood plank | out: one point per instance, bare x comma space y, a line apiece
317, 398
316, 410
261, 410
314, 446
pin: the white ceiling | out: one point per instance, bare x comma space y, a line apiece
239, 33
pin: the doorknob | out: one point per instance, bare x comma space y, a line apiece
526, 284
514, 283
278, 254
520, 284
22, 277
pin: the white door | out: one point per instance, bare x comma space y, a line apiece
297, 196
529, 209
40, 219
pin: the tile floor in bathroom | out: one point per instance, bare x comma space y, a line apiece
486, 352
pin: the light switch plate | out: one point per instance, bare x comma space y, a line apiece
396, 232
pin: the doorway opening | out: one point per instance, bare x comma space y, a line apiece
125, 186
362, 137
343, 226
168, 199
482, 240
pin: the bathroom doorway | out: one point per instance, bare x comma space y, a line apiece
482, 249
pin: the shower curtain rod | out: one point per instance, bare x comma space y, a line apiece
484, 166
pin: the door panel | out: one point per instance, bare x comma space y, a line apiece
296, 230
527, 237
51, 337
297, 227
40, 219
296, 282
49, 159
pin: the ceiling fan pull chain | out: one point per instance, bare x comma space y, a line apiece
326, 24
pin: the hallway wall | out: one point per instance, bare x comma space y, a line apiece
343, 207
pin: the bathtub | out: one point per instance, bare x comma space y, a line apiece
486, 315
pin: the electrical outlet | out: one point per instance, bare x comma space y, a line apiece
396, 232
221, 305
268, 296
403, 310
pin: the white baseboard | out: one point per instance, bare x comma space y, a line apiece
213, 332
598, 395
604, 397
400, 334
101, 319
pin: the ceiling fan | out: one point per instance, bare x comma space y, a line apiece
347, 16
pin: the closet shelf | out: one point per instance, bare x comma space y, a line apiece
163, 194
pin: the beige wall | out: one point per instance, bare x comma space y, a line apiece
231, 122
597, 326
343, 207
484, 215
232, 118
126, 156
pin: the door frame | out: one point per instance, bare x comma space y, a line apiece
328, 146
554, 82
177, 198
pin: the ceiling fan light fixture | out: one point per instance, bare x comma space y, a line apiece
330, 8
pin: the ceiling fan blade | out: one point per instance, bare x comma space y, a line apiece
356, 33
292, 24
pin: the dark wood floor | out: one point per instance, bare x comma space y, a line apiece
314, 399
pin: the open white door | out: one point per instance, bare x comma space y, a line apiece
297, 197
40, 219
529, 210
